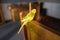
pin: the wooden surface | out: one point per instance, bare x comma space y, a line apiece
36, 32
1, 15
15, 14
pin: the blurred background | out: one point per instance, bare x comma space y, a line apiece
47, 17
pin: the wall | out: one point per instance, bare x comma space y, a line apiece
53, 9
6, 11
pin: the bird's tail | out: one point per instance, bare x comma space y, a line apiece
21, 27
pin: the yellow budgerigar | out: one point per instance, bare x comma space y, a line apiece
28, 18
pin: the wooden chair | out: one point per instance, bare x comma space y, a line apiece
2, 20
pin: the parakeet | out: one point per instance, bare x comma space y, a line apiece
29, 17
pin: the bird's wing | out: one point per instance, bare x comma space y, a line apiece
30, 14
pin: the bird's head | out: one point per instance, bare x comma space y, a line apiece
34, 11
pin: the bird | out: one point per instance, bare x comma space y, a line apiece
28, 18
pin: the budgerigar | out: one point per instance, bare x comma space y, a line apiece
28, 18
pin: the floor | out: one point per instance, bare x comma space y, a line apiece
17, 36
9, 30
